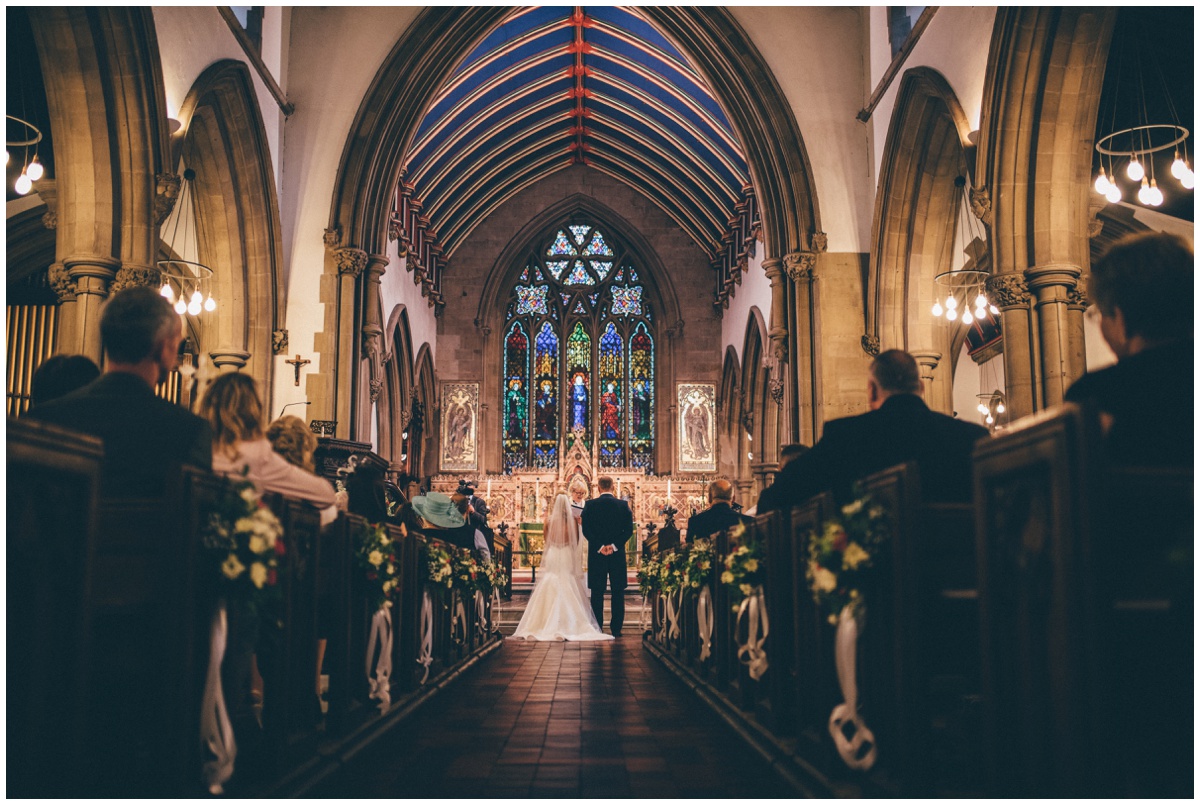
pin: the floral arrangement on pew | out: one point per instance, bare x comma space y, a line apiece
468, 574
491, 577
375, 552
670, 572
648, 577
745, 567
244, 539
843, 554
439, 564
698, 565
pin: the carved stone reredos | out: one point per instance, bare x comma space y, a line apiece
577, 461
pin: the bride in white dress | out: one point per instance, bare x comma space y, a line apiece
559, 608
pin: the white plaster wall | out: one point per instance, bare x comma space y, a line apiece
816, 55
755, 291
332, 57
396, 287
956, 44
190, 38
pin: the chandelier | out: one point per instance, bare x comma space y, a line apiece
1127, 154
31, 170
184, 281
963, 288
991, 406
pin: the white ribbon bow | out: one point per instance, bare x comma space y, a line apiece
704, 618
495, 609
845, 657
458, 620
642, 615
480, 614
381, 635
216, 731
751, 652
661, 606
425, 657
673, 616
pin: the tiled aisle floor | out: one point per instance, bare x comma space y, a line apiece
561, 720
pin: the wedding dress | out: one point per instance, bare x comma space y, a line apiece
559, 608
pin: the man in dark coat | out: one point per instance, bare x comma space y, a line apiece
719, 515
1145, 400
607, 525
145, 436
899, 428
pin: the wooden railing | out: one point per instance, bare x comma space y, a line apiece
1015, 647
112, 602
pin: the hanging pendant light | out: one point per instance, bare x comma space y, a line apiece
189, 276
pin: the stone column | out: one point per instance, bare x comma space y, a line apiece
229, 359
350, 264
801, 270
1051, 285
68, 341
1077, 303
1010, 293
372, 342
935, 394
91, 275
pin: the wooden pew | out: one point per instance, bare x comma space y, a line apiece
814, 681
1087, 615
49, 555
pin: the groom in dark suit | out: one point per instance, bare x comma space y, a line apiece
607, 524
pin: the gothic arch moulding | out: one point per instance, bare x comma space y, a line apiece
404, 86
222, 138
395, 403
917, 212
423, 440
729, 405
104, 92
1035, 167
660, 290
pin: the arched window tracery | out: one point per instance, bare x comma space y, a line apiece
579, 354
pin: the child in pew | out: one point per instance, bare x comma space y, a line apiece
291, 438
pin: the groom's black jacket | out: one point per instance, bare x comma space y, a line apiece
606, 520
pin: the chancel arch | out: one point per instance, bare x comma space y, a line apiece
223, 141
920, 219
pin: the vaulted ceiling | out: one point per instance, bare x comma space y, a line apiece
554, 87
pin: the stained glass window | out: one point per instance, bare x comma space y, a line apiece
516, 398
578, 361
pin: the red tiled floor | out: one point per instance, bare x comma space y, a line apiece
561, 720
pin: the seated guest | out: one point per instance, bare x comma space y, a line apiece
787, 454
292, 438
59, 375
719, 515
240, 447
367, 487
1145, 399
145, 437
436, 515
480, 540
899, 428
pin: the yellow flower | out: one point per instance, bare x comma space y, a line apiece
257, 544
854, 556
387, 603
249, 495
833, 620
746, 589
375, 558
258, 574
383, 539
824, 581
852, 508
751, 565
738, 530
232, 567
390, 569
727, 577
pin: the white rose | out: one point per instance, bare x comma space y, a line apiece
249, 495
375, 558
244, 525
257, 544
824, 580
258, 574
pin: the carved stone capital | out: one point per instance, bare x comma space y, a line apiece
1049, 274
800, 266
166, 193
131, 276
870, 345
376, 389
1077, 296
775, 388
279, 342
394, 228
229, 359
48, 193
61, 282
778, 338
1008, 290
50, 220
818, 242
928, 361
981, 204
332, 237
350, 261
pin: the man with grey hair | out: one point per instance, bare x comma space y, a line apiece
719, 515
145, 436
898, 428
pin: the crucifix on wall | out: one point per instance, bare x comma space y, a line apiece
297, 363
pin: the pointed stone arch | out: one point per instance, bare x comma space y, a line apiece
729, 401
423, 443
430, 48
222, 138
104, 92
395, 404
917, 212
1040, 102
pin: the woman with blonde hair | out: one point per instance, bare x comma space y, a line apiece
240, 447
294, 440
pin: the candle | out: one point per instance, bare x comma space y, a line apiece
618, 487
668, 489
489, 492
537, 492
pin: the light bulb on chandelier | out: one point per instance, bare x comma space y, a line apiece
181, 307
966, 317
167, 292
937, 309
1188, 180
981, 301
1144, 195
23, 184
995, 311
1156, 196
35, 169
1113, 194
1135, 171
1102, 182
1000, 408
951, 314
210, 304
1178, 167
951, 302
